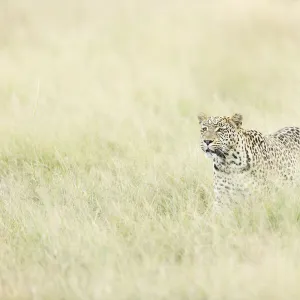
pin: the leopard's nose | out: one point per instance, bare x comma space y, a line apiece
207, 142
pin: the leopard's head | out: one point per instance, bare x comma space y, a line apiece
219, 135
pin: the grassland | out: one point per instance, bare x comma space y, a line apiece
104, 193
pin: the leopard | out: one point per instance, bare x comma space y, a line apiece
247, 162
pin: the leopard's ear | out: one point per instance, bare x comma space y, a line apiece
237, 119
201, 117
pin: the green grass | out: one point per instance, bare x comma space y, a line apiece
104, 191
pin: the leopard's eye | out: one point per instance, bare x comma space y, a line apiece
204, 128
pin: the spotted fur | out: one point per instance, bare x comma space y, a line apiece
246, 161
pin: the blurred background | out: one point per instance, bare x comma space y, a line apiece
65, 64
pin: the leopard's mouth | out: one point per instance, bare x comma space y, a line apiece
209, 151
217, 152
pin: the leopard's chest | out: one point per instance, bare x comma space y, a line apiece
231, 186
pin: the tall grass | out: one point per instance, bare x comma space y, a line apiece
105, 193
